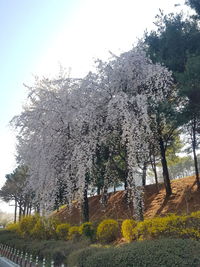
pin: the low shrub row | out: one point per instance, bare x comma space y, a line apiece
174, 226
156, 253
36, 227
58, 250
161, 252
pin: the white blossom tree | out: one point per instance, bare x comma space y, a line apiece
66, 120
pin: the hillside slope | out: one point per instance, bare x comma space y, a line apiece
184, 199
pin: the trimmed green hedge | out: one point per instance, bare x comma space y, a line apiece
157, 253
78, 258
50, 249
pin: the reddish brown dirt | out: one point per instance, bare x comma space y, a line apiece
184, 199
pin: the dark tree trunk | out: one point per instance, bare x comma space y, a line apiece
27, 209
165, 168
98, 190
37, 208
114, 188
144, 174
30, 208
85, 207
194, 145
15, 215
20, 210
104, 197
24, 210
153, 166
125, 184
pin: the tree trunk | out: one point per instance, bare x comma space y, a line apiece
153, 166
30, 208
104, 197
165, 168
156, 177
144, 174
15, 215
24, 210
138, 203
27, 209
194, 145
125, 184
20, 210
85, 206
98, 190
114, 188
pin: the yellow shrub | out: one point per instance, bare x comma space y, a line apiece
62, 231
74, 233
195, 214
169, 226
26, 225
128, 229
108, 231
13, 227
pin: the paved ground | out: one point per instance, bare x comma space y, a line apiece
7, 263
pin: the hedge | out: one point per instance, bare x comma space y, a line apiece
157, 253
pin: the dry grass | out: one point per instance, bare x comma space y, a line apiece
184, 199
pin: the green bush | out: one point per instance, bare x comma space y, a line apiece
128, 229
74, 233
107, 231
78, 258
87, 230
57, 250
62, 231
157, 253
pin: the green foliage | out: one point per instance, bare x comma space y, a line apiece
87, 230
78, 258
128, 229
107, 231
173, 40
74, 233
189, 83
165, 252
62, 231
57, 250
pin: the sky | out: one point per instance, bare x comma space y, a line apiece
40, 35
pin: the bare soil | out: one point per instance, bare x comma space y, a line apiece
184, 199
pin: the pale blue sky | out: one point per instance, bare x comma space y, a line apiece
37, 35
26, 28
